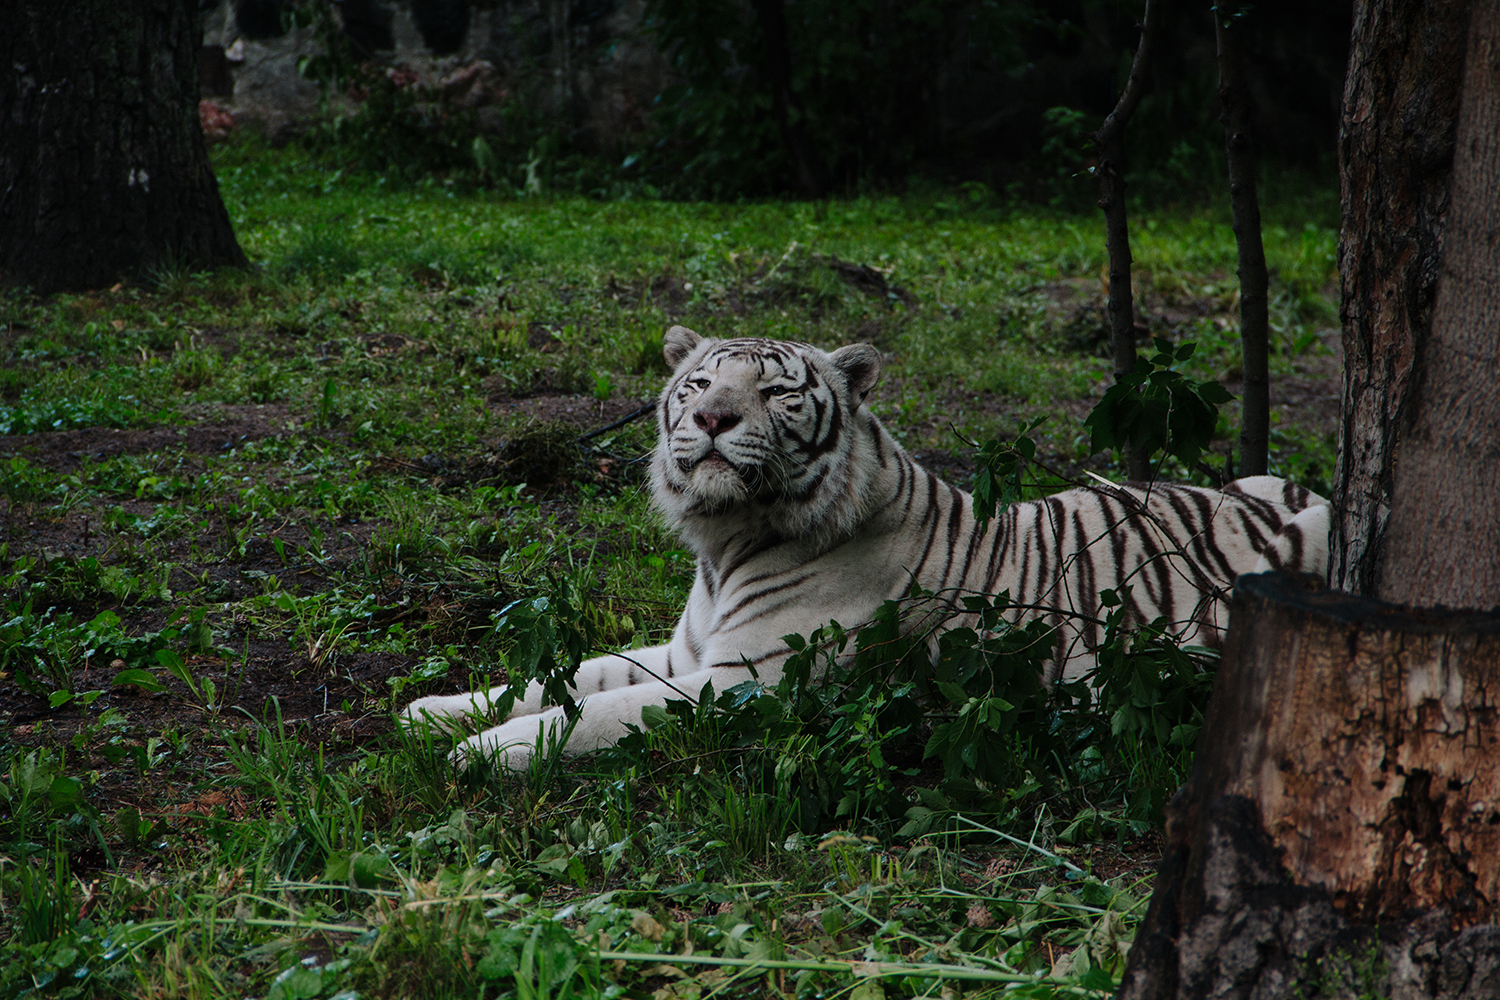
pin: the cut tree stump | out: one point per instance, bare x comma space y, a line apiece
1340, 833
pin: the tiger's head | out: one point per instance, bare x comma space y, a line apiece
764, 433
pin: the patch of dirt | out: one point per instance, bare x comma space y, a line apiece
775, 284
867, 279
1136, 863
226, 428
550, 407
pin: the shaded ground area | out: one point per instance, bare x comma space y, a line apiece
64, 451
156, 520
335, 700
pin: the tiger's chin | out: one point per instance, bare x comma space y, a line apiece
717, 484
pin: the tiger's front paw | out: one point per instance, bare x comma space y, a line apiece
445, 713
511, 745
504, 757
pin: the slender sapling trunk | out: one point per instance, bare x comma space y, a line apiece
1110, 139
1235, 111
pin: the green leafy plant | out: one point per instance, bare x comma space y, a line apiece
1153, 691
1157, 408
550, 636
24, 482
33, 416
541, 959
47, 907
997, 481
203, 690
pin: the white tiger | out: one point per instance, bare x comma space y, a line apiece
802, 509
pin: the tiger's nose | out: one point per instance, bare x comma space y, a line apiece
715, 423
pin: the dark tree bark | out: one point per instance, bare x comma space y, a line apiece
1447, 479
812, 177
562, 57
1401, 100
103, 171
1235, 112
444, 23
1110, 139
1339, 836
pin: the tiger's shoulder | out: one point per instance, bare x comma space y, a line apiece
1274, 490
1301, 540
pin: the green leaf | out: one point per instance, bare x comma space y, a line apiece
358, 868
296, 983
953, 692
176, 667
1099, 979
1156, 409
143, 679
64, 791
1213, 393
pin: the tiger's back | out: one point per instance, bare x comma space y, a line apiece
1177, 549
803, 509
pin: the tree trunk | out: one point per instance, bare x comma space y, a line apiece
1111, 175
1235, 109
562, 59
103, 171
1395, 154
1447, 476
1339, 836
812, 177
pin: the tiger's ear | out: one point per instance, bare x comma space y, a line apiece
860, 364
678, 344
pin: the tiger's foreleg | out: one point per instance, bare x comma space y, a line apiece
602, 718
447, 712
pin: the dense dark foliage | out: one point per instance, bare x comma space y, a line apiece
872, 91
812, 97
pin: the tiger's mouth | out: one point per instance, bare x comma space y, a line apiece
712, 459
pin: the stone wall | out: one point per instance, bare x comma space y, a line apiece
583, 63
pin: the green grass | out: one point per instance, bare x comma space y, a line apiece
249, 513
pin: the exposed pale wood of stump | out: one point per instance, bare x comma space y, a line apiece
1340, 834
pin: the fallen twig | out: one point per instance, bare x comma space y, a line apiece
863, 969
627, 418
